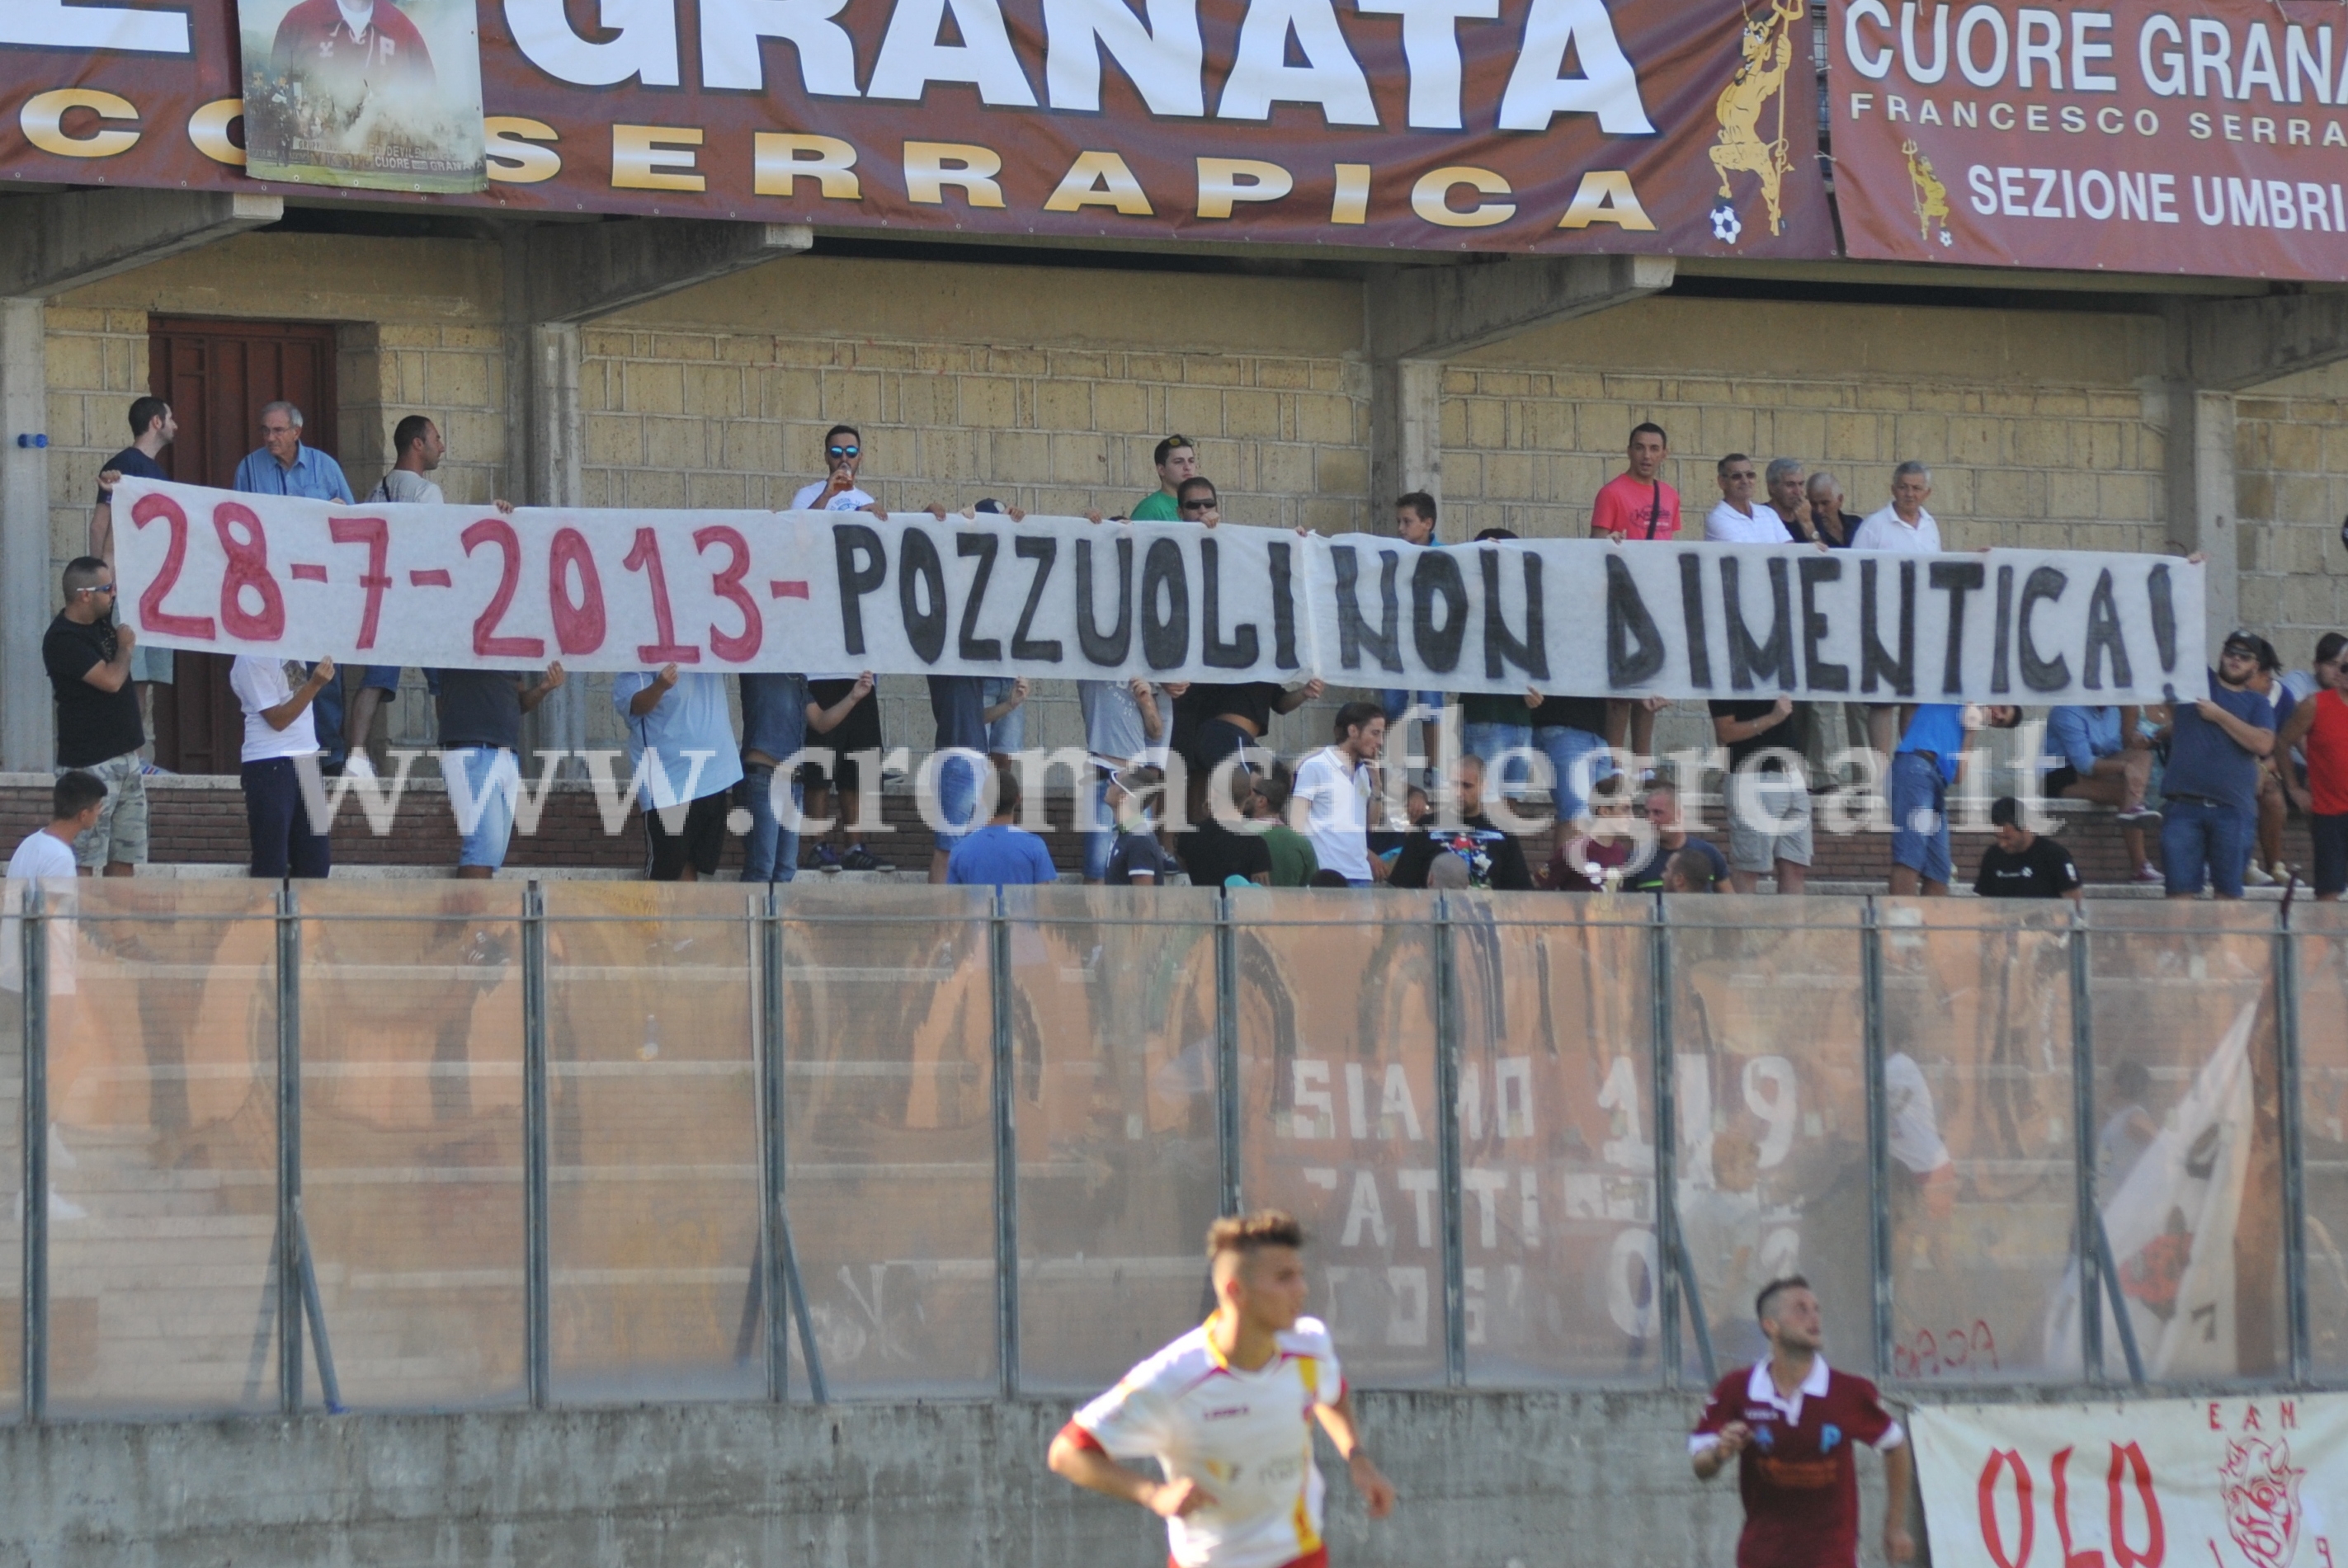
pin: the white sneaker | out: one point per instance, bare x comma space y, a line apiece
359, 765
2257, 875
2281, 872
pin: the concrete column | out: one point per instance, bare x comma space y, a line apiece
546, 442
2201, 515
27, 586
1406, 433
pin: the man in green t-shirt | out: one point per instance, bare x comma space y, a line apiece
1293, 859
1177, 459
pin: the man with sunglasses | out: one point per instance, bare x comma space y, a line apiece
843, 455
1198, 503
99, 729
1176, 457
2211, 790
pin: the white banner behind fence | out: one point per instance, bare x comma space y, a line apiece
831, 591
2258, 1482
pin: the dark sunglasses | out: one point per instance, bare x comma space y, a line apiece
843, 451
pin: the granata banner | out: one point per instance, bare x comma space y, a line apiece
2255, 1481
1045, 597
1685, 126
2203, 137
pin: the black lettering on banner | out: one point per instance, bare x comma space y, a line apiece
1500, 645
2001, 677
968, 644
1698, 636
1434, 576
1353, 633
1239, 652
1875, 663
1747, 657
918, 567
2105, 636
862, 565
2043, 586
1817, 674
2164, 618
1043, 549
1634, 643
1283, 608
1165, 642
1107, 650
1956, 579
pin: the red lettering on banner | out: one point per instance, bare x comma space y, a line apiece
486, 640
153, 616
578, 624
781, 589
2156, 1547
2288, 1415
646, 557
2215, 1425
435, 576
2062, 1517
727, 586
306, 571
248, 567
2250, 1419
375, 534
1993, 1538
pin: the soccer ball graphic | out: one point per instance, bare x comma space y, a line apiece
1725, 228
1947, 238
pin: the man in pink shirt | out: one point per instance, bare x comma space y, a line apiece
1637, 505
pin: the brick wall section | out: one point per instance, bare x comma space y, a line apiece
2290, 456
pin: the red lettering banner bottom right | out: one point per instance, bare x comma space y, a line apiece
2254, 1481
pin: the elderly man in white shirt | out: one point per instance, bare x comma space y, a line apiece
1903, 525
1735, 520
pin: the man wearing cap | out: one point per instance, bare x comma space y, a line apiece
2211, 791
1176, 457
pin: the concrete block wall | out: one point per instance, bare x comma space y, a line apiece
98, 364
2033, 424
2290, 456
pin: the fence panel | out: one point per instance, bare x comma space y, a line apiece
654, 1116
163, 1148
411, 1137
889, 1150
1770, 1088
1113, 1023
1980, 1177
1337, 1085
2189, 1154
1557, 1126
2323, 1127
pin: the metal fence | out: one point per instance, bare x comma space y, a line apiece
590, 1143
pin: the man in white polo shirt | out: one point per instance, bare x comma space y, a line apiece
1735, 520
1227, 1411
1335, 784
1902, 528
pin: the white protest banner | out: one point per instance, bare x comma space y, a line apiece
821, 591
2246, 1481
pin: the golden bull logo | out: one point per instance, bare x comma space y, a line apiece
1767, 47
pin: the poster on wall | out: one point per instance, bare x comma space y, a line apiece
1685, 128
2256, 1482
381, 94
2206, 137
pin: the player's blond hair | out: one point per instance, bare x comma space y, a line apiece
1247, 1235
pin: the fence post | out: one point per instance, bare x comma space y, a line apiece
2083, 1129
770, 1196
1447, 1143
289, 1151
536, 1276
33, 933
2292, 1134
1227, 1051
1878, 1141
1667, 1149
1007, 1156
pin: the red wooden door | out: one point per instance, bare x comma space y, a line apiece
216, 375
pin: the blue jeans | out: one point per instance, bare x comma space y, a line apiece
770, 852
1008, 733
482, 782
1098, 841
1569, 752
1510, 775
1920, 817
2198, 833
278, 822
1396, 701
958, 781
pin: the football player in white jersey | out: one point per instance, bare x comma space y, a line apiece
1227, 1411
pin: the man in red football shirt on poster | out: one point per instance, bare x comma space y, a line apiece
340, 47
1791, 1422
